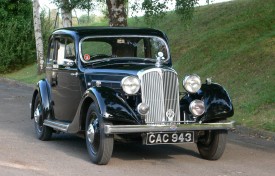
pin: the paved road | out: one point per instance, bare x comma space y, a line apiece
22, 154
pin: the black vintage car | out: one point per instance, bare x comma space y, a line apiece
108, 83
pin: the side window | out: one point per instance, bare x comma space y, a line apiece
60, 51
65, 51
70, 49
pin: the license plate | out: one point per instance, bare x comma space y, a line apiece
170, 138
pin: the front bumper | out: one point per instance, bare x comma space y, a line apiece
124, 129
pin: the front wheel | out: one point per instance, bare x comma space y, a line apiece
212, 144
43, 132
99, 145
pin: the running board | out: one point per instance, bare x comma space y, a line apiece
57, 125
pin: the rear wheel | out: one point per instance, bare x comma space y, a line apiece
43, 132
212, 144
99, 145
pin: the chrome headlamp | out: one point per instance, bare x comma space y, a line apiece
130, 85
192, 83
197, 108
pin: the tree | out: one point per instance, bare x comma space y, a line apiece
67, 6
118, 9
117, 12
17, 46
155, 10
185, 8
85, 19
38, 37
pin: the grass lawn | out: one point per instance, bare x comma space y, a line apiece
27, 75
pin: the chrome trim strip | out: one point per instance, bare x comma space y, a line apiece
145, 71
163, 122
106, 81
60, 126
121, 129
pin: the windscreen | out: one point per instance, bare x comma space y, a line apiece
123, 47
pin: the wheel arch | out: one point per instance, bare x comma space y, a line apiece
35, 93
43, 90
106, 99
84, 110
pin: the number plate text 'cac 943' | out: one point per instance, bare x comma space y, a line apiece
170, 138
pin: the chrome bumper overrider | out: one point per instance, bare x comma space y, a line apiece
121, 129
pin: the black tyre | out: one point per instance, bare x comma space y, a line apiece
43, 132
99, 145
211, 145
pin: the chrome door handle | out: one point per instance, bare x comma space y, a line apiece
74, 74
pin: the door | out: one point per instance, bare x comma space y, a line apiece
62, 74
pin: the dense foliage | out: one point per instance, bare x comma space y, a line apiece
17, 46
155, 10
72, 4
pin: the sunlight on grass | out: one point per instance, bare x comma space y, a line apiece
27, 75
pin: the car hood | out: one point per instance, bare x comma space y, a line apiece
111, 75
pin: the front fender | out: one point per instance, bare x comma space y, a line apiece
43, 90
112, 106
218, 104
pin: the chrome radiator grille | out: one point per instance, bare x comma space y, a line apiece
160, 90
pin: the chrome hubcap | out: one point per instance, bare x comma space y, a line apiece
37, 114
91, 133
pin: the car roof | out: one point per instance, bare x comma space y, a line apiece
103, 31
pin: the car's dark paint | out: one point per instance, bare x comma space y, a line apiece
43, 90
108, 95
67, 88
85, 97
112, 106
66, 94
111, 75
217, 102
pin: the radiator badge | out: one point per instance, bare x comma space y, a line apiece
170, 114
